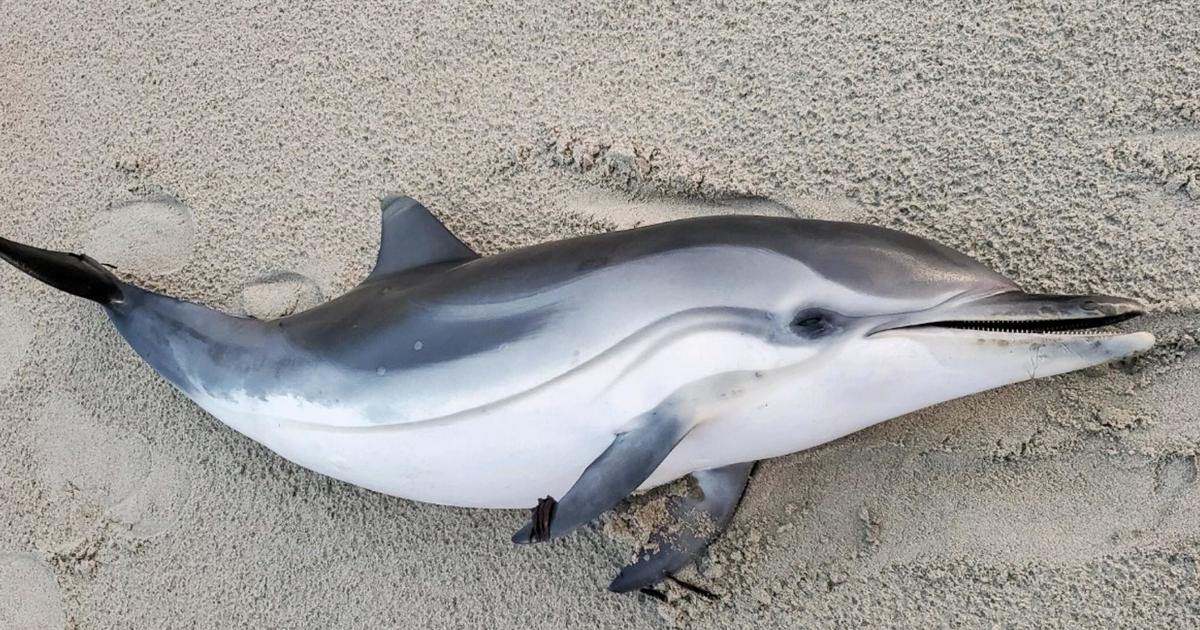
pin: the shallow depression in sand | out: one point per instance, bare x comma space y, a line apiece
154, 507
80, 458
90, 468
144, 237
16, 334
280, 294
29, 595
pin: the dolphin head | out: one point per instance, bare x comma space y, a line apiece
905, 322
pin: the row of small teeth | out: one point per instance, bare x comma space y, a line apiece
1001, 327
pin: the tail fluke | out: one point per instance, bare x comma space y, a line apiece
74, 273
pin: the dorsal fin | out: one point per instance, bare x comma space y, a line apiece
412, 237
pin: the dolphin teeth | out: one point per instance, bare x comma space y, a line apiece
1075, 326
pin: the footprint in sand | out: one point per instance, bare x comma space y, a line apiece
29, 594
280, 294
1174, 474
144, 237
89, 468
16, 334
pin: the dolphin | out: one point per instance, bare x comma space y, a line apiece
590, 368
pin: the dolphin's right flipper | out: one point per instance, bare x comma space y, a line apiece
700, 522
623, 466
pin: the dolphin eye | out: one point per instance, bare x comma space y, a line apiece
814, 323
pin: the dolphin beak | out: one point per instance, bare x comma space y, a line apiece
1018, 312
979, 342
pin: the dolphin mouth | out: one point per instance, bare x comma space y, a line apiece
1019, 313
1078, 326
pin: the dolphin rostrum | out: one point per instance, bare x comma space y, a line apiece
589, 368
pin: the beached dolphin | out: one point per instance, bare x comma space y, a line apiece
589, 368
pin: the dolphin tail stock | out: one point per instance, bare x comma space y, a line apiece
176, 337
76, 274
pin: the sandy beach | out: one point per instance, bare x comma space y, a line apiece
234, 154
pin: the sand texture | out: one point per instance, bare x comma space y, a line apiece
234, 153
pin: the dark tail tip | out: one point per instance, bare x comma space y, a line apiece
74, 273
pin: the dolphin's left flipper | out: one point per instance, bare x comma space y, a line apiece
701, 521
619, 470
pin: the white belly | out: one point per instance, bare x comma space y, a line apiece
511, 453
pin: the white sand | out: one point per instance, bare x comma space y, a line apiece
1061, 146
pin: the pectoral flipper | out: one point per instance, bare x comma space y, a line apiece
623, 466
700, 522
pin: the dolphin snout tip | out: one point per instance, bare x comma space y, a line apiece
1119, 306
1142, 341
1127, 345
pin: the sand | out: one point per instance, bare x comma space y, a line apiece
234, 153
